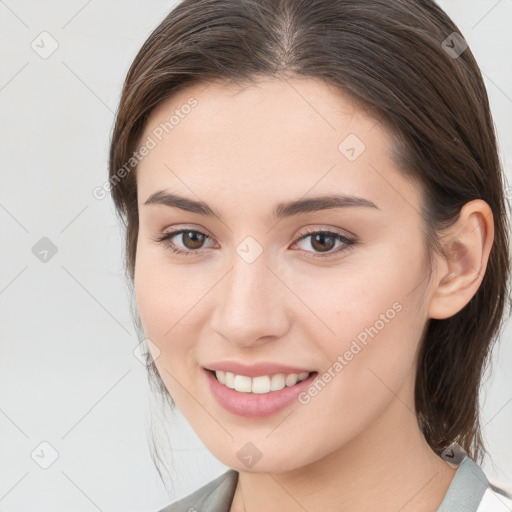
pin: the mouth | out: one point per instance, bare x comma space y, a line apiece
259, 396
260, 385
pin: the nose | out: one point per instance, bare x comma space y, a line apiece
251, 306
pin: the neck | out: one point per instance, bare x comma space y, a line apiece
388, 467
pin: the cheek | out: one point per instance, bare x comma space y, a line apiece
161, 306
375, 330
162, 303
171, 304
371, 364
359, 299
165, 292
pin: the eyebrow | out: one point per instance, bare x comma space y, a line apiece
281, 210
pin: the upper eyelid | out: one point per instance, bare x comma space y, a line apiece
311, 231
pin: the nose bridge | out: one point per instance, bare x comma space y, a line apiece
250, 304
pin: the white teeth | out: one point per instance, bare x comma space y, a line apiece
243, 383
230, 380
221, 376
260, 385
291, 379
278, 382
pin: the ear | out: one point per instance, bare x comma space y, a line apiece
460, 270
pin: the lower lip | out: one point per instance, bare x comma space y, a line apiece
256, 405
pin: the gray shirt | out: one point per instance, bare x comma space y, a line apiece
464, 494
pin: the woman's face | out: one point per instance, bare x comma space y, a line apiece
259, 288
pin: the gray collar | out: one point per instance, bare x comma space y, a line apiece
467, 488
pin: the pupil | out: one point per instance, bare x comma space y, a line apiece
322, 238
196, 237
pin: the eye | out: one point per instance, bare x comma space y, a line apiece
191, 238
322, 241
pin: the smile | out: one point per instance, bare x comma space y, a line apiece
258, 396
261, 384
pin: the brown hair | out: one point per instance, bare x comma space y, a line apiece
392, 58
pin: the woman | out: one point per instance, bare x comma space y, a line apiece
317, 240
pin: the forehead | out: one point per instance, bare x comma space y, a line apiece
300, 109
267, 140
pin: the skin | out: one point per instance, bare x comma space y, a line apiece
357, 443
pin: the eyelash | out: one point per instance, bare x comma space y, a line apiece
349, 242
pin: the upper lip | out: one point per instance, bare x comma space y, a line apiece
254, 370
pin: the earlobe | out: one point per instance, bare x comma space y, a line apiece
461, 268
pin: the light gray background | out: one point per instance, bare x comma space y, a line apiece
68, 373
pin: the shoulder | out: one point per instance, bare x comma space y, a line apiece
495, 500
215, 495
